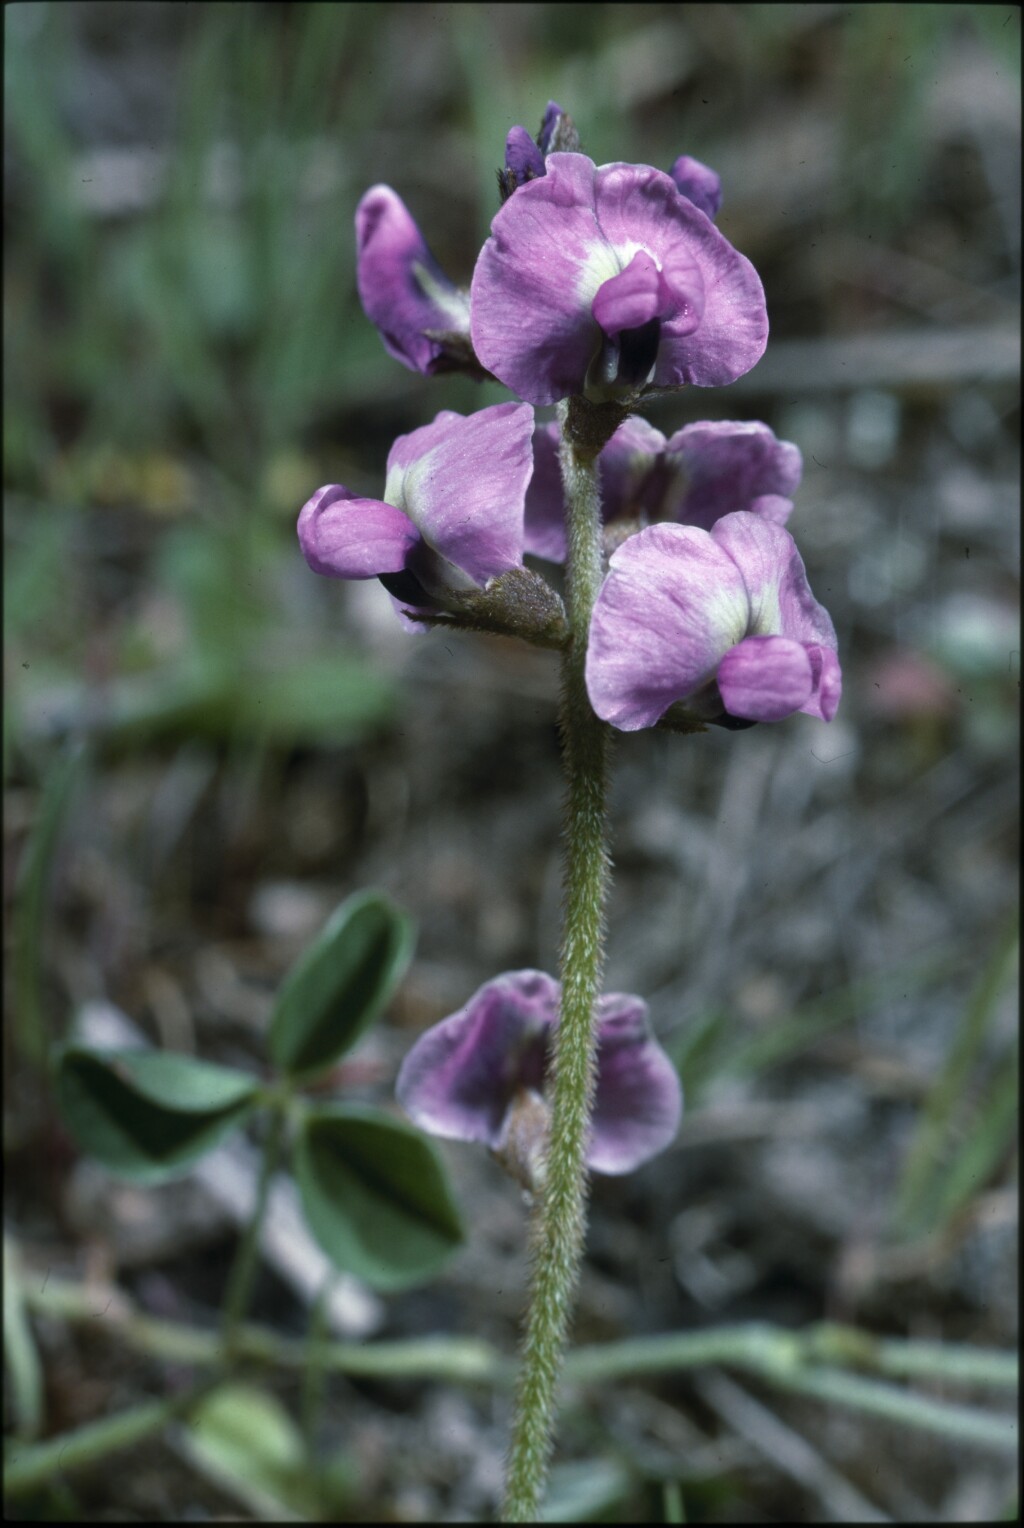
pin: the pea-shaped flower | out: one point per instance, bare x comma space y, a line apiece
610, 281
479, 1075
422, 316
722, 620
702, 472
451, 517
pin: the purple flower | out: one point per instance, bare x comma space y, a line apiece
452, 513
479, 1075
722, 619
423, 318
697, 182
608, 282
702, 472
557, 131
524, 158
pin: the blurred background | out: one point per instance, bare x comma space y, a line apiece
206, 747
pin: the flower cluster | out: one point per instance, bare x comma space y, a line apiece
598, 286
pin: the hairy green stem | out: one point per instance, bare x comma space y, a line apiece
559, 1222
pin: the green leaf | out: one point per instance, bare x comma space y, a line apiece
315, 698
376, 1196
309, 700
937, 1148
149, 1115
339, 984
242, 1438
585, 1490
21, 1355
29, 1021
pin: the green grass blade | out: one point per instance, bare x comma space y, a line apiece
28, 1019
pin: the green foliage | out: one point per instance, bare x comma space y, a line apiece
149, 1115
340, 984
375, 1195
887, 51
29, 1021
373, 1189
241, 674
210, 306
708, 1046
32, 569
219, 306
240, 669
965, 1126
586, 1491
244, 1439
21, 1356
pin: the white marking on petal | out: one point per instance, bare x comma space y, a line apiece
394, 488
728, 616
451, 303
602, 262
410, 481
766, 613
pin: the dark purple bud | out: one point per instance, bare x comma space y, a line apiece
523, 158
523, 162
558, 133
698, 184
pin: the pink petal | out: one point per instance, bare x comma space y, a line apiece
764, 679
461, 1076
672, 606
462, 481
731, 466
772, 506
530, 310
401, 286
639, 1101
633, 297
545, 498
647, 209
828, 683
699, 184
634, 468
345, 536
